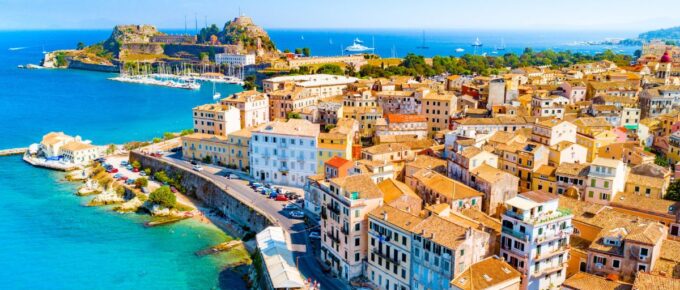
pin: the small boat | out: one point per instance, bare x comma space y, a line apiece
423, 46
477, 43
216, 94
357, 46
17, 48
502, 47
43, 50
21, 66
33, 66
459, 49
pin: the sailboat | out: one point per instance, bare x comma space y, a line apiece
477, 43
216, 94
502, 46
423, 46
44, 51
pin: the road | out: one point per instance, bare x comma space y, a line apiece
301, 247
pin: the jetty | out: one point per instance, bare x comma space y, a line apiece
13, 151
222, 247
56, 165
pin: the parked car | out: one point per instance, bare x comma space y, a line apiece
198, 167
118, 175
296, 214
291, 206
141, 173
232, 176
123, 178
129, 167
135, 170
314, 235
281, 197
256, 185
130, 181
194, 162
173, 189
113, 170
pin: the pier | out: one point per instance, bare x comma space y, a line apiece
13, 151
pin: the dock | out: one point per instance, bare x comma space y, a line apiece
37, 162
13, 151
223, 247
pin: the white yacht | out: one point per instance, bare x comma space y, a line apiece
459, 49
477, 43
357, 46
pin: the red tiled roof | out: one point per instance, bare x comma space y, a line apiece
337, 162
403, 118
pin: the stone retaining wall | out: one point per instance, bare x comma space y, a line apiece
210, 193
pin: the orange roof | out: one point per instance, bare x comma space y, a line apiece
403, 118
336, 162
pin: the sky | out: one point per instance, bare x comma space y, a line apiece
607, 15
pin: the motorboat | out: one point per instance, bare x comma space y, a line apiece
477, 43
357, 46
459, 49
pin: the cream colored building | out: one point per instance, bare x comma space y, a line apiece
317, 85
79, 152
205, 147
438, 109
215, 119
253, 107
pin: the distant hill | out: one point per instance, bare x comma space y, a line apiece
242, 32
672, 33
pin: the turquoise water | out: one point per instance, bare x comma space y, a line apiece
48, 239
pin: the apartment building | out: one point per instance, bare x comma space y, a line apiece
344, 223
649, 180
438, 110
436, 188
535, 238
414, 126
551, 132
606, 178
571, 178
206, 147
252, 105
216, 119
489, 274
496, 185
317, 85
284, 152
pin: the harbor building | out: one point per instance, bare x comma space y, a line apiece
235, 60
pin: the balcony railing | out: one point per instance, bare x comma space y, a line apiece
344, 230
551, 253
516, 234
516, 215
385, 256
555, 235
334, 209
332, 237
548, 270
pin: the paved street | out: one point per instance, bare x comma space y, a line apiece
302, 250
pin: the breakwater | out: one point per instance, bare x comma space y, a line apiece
210, 193
13, 151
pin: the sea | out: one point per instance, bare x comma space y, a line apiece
49, 240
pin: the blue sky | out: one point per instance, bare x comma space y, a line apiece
624, 15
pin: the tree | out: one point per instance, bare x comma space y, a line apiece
164, 197
286, 50
141, 182
293, 115
207, 159
298, 51
168, 135
111, 149
136, 164
306, 51
331, 69
161, 176
661, 161
80, 46
673, 192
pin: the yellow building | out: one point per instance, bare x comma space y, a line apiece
367, 116
205, 147
238, 150
544, 179
650, 180
333, 144
438, 109
593, 133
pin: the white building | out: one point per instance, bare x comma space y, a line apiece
284, 152
280, 271
553, 131
317, 85
253, 105
239, 60
606, 178
535, 239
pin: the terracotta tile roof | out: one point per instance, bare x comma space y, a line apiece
646, 181
386, 148
669, 260
76, 146
573, 169
646, 281
539, 196
337, 162
362, 184
396, 217
441, 231
489, 173
428, 162
651, 170
585, 281
470, 151
445, 186
481, 217
647, 204
393, 189
404, 118
295, 127
649, 233
546, 170
485, 274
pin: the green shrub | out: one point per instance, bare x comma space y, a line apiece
163, 197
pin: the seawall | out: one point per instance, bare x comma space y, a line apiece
74, 64
210, 193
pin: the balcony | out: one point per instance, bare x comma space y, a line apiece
516, 234
548, 270
333, 238
344, 230
516, 215
551, 253
554, 236
385, 256
334, 209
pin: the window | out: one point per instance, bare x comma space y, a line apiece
644, 252
616, 264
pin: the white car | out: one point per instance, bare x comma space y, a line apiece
197, 168
233, 176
